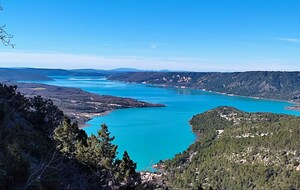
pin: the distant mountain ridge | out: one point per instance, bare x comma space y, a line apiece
17, 74
262, 84
7, 74
43, 74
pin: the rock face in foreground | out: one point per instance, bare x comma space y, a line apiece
239, 150
263, 84
78, 104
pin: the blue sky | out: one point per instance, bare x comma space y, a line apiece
194, 35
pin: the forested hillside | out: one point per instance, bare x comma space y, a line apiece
264, 84
239, 150
41, 149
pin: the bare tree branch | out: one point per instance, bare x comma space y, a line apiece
52, 161
4, 36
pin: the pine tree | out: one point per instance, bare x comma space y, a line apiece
108, 150
67, 136
97, 152
93, 153
126, 169
45, 114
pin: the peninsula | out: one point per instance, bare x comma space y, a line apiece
76, 103
80, 105
257, 150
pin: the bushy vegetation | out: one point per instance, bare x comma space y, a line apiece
40, 148
238, 150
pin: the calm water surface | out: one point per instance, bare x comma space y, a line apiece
153, 134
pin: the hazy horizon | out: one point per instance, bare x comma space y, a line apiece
144, 70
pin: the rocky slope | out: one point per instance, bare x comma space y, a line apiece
40, 148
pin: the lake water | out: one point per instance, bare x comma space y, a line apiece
153, 134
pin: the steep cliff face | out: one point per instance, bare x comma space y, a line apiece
263, 84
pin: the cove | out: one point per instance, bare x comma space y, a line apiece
153, 134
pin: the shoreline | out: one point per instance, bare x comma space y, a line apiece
295, 107
90, 117
78, 104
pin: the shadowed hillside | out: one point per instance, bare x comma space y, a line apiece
40, 148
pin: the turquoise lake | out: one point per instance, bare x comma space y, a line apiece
153, 134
